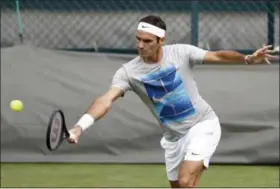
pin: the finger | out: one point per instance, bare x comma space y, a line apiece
270, 51
264, 48
267, 61
72, 141
71, 138
267, 46
272, 57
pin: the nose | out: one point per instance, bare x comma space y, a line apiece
140, 45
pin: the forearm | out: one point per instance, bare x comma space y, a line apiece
99, 108
231, 57
225, 56
96, 111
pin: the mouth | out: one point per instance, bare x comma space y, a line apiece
142, 52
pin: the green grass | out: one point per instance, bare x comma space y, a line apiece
114, 175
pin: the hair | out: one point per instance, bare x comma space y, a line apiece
154, 20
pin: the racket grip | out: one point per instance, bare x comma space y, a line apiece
67, 134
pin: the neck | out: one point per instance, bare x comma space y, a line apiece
155, 58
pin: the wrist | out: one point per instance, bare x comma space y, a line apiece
85, 122
248, 59
79, 128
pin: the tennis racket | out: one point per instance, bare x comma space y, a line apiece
57, 130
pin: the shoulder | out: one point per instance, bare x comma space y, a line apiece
132, 64
127, 67
185, 49
177, 47
179, 51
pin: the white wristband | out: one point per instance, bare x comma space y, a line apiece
85, 121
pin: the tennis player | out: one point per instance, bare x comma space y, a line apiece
162, 77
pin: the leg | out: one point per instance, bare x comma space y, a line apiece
184, 173
173, 157
203, 140
174, 184
189, 173
186, 159
196, 180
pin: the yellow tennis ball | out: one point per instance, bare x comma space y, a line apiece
16, 105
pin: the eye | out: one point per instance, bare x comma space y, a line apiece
147, 41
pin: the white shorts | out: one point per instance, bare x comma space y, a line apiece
198, 144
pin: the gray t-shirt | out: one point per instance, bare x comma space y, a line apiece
168, 88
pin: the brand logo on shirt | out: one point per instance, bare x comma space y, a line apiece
166, 90
161, 99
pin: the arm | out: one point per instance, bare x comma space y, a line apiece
224, 56
96, 111
101, 105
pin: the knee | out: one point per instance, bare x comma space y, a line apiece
186, 182
183, 182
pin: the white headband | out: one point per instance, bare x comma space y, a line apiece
143, 26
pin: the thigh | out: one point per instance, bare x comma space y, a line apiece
173, 157
203, 140
193, 151
196, 180
190, 170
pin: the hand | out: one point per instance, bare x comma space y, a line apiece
262, 55
75, 134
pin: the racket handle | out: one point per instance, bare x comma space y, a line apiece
67, 134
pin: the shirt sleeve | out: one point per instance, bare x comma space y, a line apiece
195, 55
120, 80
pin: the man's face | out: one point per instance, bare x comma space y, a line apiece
147, 44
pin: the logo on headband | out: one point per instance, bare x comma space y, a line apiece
145, 26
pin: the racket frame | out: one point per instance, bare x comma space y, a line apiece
63, 134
